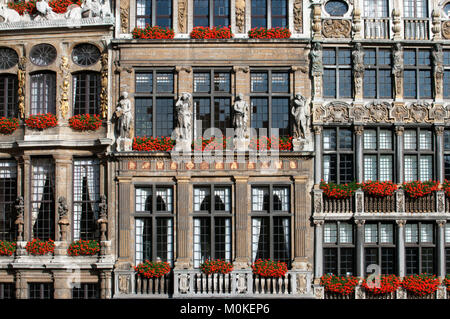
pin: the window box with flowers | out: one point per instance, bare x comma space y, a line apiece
214, 143
41, 121
216, 267
338, 191
84, 248
272, 33
8, 125
420, 196
153, 144
40, 247
211, 33
7, 248
384, 285
58, 6
379, 196
269, 268
339, 286
155, 32
265, 143
85, 122
422, 286
446, 283
152, 269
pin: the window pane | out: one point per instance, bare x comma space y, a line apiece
329, 139
345, 83
201, 13
280, 115
425, 140
279, 13
330, 260
43, 93
222, 199
260, 199
345, 139
164, 82
329, 168
409, 57
370, 139
202, 241
202, 199
371, 233
447, 233
164, 13
385, 139
347, 261
143, 13
144, 117
409, 84
447, 84
163, 199
330, 233
164, 239
144, 82
411, 233
385, 83
143, 239
259, 13
345, 233
410, 168
428, 260
412, 260
329, 83
425, 84
222, 114
164, 116
426, 168
202, 82
426, 233
370, 167
388, 260
144, 200
386, 168
346, 169
8, 194
280, 82
370, 83
221, 13
259, 82
222, 82
386, 233
8, 95
281, 199
281, 238
203, 112
260, 113
410, 140
222, 240
260, 238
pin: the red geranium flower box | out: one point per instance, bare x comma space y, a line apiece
7, 248
379, 189
446, 282
41, 121
8, 125
420, 285
211, 33
216, 266
213, 143
84, 122
40, 247
151, 144
150, 269
58, 6
83, 248
272, 33
268, 143
338, 191
155, 32
269, 268
417, 189
340, 285
387, 284
446, 187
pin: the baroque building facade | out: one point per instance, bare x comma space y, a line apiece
361, 87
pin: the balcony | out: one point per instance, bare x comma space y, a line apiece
376, 28
373, 204
333, 205
416, 28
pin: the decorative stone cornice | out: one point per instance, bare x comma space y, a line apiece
60, 23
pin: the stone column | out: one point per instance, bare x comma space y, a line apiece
318, 154
63, 187
302, 209
62, 285
401, 247
105, 284
318, 250
440, 239
21, 286
27, 229
242, 257
399, 135
439, 130
124, 211
359, 130
184, 237
360, 247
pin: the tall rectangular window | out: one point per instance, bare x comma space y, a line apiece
376, 8
43, 198
270, 100
8, 194
211, 13
446, 74
43, 93
212, 99
417, 78
338, 163
86, 93
418, 154
154, 103
338, 248
154, 223
86, 194
419, 248
8, 95
377, 74
160, 10
269, 13
379, 246
337, 76
7, 290
271, 220
378, 154
212, 223
415, 8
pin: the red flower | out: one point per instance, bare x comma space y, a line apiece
155, 32
40, 247
84, 122
387, 284
340, 285
377, 188
216, 266
417, 189
84, 248
272, 33
338, 191
421, 285
41, 121
269, 268
214, 33
150, 269
7, 248
8, 125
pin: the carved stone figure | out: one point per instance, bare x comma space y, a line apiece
240, 120
316, 59
124, 284
358, 67
397, 69
9, 15
301, 115
63, 218
104, 85
124, 119
21, 76
20, 209
44, 11
240, 15
64, 102
182, 4
298, 15
184, 122
438, 68
103, 218
90, 8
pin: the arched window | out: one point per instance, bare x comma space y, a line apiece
86, 93
43, 92
8, 95
85, 54
43, 54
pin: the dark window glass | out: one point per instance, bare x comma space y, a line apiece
7, 291
164, 116
329, 83
447, 84
164, 82
164, 13
202, 82
40, 290
144, 117
259, 13
203, 110
221, 13
410, 85
347, 261
144, 82
143, 13
8, 194
280, 82
259, 82
8, 95
86, 291
388, 260
428, 260
330, 259
85, 54
336, 8
86, 88
260, 113
201, 13
222, 115
222, 82
43, 93
279, 13
337, 76
412, 260
370, 84
281, 238
280, 115
345, 139
425, 84
43, 54
8, 58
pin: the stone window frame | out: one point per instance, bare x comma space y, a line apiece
271, 214
154, 95
8, 167
417, 68
270, 95
89, 98
377, 68
211, 14
380, 246
419, 245
418, 152
8, 97
212, 214
212, 95
47, 94
154, 216
337, 67
154, 16
268, 15
338, 246
378, 152
44, 288
87, 290
339, 151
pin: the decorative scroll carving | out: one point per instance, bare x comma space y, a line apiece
333, 28
418, 112
440, 198
21, 76
446, 29
438, 113
436, 21
317, 26
396, 27
240, 15
298, 16
337, 112
124, 284
359, 113
124, 20
399, 113
379, 111
104, 85
64, 102
182, 6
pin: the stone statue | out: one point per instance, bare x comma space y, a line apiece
397, 69
358, 66
316, 59
44, 11
9, 15
20, 209
438, 68
123, 123
240, 120
63, 218
184, 122
301, 115
103, 219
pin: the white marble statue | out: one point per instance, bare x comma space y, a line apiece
9, 15
184, 122
124, 119
240, 119
301, 116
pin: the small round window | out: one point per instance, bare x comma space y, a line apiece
447, 9
85, 54
43, 54
8, 58
336, 8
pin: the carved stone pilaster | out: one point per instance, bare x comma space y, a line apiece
438, 70
401, 222
400, 200
298, 16
319, 292
358, 70
318, 201
356, 23
397, 70
21, 83
440, 201
65, 74
182, 16
359, 201
436, 21
240, 15
396, 24
104, 85
317, 19
124, 18
399, 130
317, 130
316, 69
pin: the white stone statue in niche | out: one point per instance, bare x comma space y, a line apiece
240, 122
124, 120
302, 135
184, 123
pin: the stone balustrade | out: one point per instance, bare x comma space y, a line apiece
416, 28
376, 28
400, 293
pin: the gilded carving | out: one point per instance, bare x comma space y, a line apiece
240, 15
332, 28
21, 76
182, 5
64, 102
298, 15
446, 29
104, 85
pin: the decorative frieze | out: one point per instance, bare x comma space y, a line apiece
336, 28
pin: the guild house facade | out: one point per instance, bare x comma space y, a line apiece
107, 128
